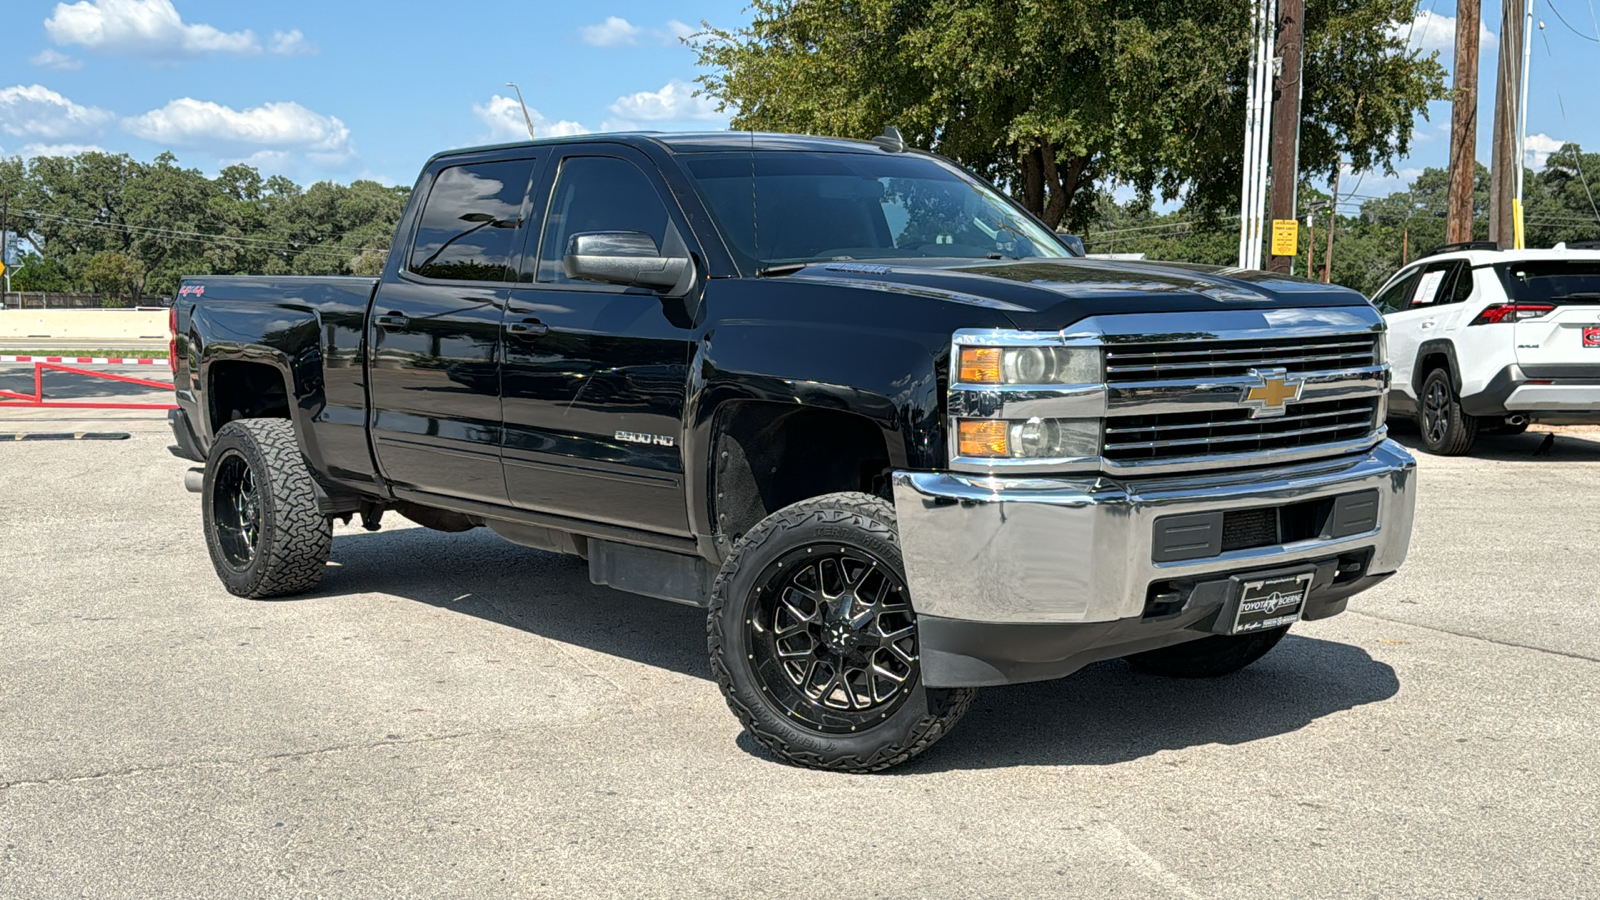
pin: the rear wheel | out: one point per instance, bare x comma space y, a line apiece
1208, 657
813, 639
265, 533
1446, 430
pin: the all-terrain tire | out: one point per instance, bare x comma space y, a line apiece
1208, 657
1451, 431
852, 520
291, 538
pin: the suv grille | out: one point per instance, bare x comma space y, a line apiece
1132, 439
1191, 361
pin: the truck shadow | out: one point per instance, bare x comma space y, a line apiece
1105, 714
1108, 713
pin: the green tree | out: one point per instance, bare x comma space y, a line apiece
114, 273
1059, 98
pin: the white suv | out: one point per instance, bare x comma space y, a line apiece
1486, 338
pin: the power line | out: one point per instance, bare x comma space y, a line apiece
1569, 25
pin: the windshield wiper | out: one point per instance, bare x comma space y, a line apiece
782, 269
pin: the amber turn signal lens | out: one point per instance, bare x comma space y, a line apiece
979, 365
984, 437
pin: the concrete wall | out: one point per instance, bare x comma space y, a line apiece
83, 324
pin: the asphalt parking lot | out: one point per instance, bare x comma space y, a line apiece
452, 715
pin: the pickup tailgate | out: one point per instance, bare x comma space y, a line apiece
1557, 316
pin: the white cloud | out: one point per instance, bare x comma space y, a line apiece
291, 43
141, 27
31, 150
1538, 149
1431, 31
675, 31
270, 127
39, 113
676, 101
54, 59
503, 115
615, 31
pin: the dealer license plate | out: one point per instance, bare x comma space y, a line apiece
1271, 602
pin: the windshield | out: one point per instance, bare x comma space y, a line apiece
1552, 281
777, 208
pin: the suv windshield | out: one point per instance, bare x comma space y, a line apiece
1552, 281
778, 208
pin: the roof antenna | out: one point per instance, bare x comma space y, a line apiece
525, 117
891, 140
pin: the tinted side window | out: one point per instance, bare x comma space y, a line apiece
598, 193
470, 221
1431, 286
1395, 297
1461, 287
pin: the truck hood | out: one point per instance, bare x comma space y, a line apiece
1048, 294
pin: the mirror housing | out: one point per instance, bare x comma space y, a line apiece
624, 257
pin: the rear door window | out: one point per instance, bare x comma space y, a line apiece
1434, 284
1555, 282
470, 225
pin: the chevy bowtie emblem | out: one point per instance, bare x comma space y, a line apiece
1276, 388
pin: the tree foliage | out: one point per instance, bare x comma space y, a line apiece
1058, 98
107, 222
1372, 235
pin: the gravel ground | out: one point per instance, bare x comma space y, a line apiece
452, 715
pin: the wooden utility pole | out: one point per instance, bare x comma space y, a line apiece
1333, 211
1504, 163
1285, 151
1463, 124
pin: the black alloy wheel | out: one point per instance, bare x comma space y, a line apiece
833, 638
1446, 429
812, 635
266, 535
236, 510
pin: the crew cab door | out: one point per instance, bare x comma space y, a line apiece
435, 331
595, 375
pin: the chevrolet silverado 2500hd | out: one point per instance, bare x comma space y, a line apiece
895, 436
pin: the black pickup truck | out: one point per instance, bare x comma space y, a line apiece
898, 438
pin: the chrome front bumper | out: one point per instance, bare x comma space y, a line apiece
1080, 550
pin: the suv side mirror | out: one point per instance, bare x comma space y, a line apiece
623, 257
1074, 243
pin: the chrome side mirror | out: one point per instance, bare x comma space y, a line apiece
623, 257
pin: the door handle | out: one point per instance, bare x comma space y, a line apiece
1427, 324
527, 328
392, 320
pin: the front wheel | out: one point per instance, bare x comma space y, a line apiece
266, 536
813, 639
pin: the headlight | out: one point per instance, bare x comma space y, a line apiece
1029, 365
1033, 438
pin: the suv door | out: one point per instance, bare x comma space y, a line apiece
1393, 299
435, 327
596, 375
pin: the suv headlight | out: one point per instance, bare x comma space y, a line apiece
1028, 365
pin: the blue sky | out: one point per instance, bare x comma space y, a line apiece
345, 90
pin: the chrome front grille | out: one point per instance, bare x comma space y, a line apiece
1200, 360
1225, 432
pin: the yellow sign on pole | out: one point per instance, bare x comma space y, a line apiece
1285, 237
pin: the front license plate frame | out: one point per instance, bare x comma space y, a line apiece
1263, 602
